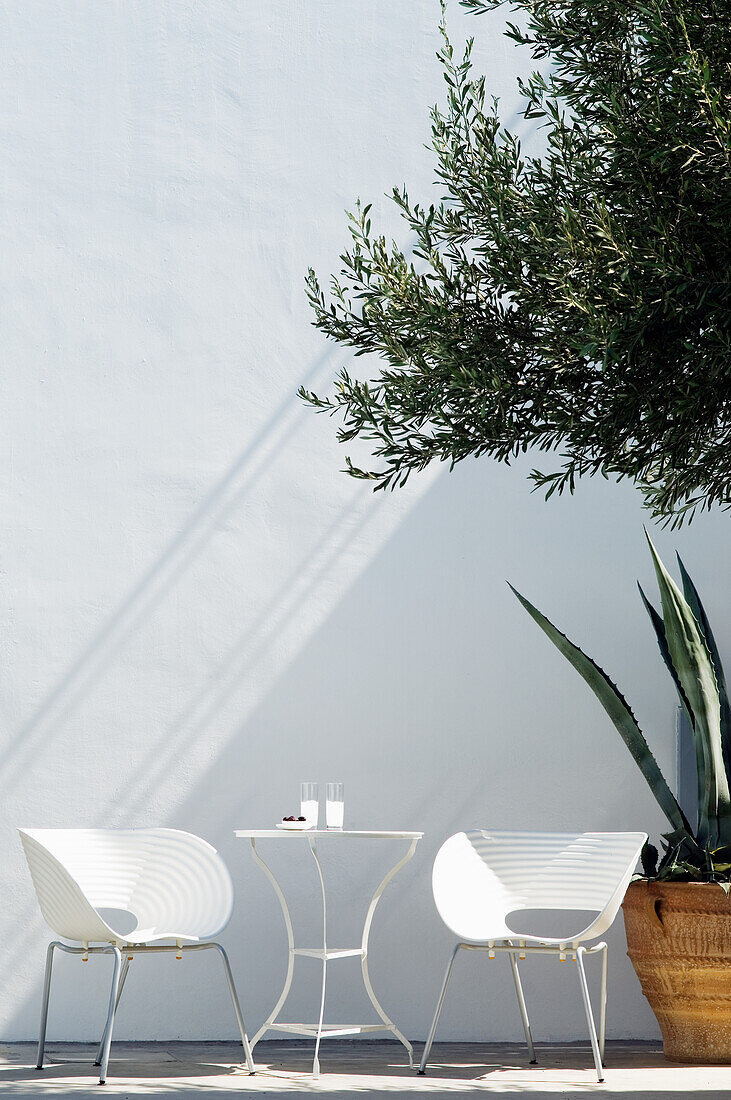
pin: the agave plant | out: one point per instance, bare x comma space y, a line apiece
701, 852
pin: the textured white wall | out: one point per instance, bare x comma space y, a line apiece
197, 609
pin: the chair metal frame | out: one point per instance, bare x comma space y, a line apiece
597, 1037
519, 947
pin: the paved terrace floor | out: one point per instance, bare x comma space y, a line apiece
353, 1070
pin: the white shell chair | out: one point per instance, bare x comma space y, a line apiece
162, 883
483, 878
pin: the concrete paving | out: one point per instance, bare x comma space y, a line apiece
353, 1069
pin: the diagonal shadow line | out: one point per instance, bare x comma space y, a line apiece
157, 581
285, 604
279, 612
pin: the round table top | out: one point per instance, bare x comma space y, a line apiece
299, 834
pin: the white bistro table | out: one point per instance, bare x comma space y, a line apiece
308, 839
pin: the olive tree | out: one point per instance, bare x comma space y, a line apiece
577, 302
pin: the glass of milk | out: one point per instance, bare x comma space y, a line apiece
335, 805
309, 803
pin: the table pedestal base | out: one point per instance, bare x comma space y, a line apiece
320, 1029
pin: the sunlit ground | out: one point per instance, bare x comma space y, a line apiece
364, 1068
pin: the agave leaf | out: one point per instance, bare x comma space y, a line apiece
618, 710
679, 838
648, 858
700, 755
694, 601
662, 642
692, 660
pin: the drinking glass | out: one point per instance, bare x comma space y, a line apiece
309, 803
335, 805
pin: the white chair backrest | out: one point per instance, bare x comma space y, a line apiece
483, 876
172, 882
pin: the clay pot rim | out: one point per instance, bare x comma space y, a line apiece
675, 885
699, 897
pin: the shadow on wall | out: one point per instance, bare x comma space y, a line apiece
156, 583
167, 762
406, 692
30, 744
411, 688
412, 691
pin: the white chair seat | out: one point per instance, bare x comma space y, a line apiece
484, 879
141, 936
171, 885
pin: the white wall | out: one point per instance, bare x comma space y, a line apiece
197, 609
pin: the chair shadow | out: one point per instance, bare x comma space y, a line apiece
128, 1061
369, 1069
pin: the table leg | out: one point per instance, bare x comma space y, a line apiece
290, 939
270, 1022
364, 958
316, 1059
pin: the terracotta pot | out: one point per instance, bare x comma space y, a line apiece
679, 941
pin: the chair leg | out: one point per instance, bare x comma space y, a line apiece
589, 1016
122, 980
113, 999
237, 1008
435, 1021
523, 1009
603, 1005
44, 1005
